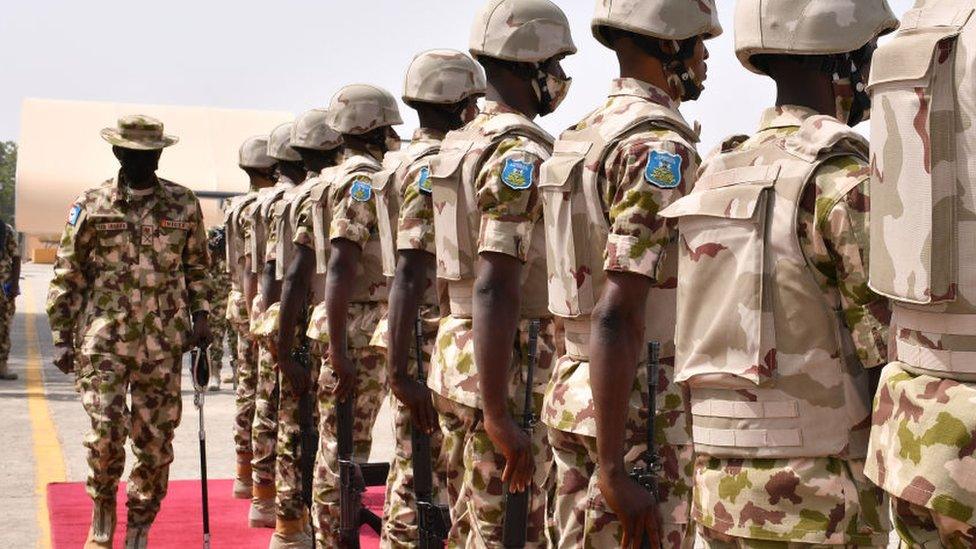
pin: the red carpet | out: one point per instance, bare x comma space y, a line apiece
179, 524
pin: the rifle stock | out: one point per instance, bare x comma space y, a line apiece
353, 480
514, 529
647, 473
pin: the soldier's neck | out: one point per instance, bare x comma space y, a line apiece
355, 146
515, 101
646, 68
813, 92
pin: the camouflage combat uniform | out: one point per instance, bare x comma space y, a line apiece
636, 127
10, 256
504, 217
131, 270
402, 186
219, 326
923, 443
781, 453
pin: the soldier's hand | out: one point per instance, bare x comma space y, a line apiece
201, 331
64, 359
515, 444
345, 371
297, 376
416, 396
634, 506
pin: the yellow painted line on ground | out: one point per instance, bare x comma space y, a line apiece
48, 457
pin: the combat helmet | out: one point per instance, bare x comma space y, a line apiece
664, 19
279, 144
443, 77
310, 131
361, 108
254, 153
807, 27
528, 31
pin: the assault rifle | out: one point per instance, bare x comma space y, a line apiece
515, 527
353, 480
309, 441
647, 473
433, 520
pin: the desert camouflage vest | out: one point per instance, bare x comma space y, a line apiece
371, 285
457, 218
388, 186
923, 191
577, 226
261, 224
289, 209
235, 250
769, 361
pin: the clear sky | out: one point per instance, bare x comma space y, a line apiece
292, 55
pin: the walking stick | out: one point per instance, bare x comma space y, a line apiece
200, 372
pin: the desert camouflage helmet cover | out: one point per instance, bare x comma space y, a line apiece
808, 27
666, 19
360, 108
311, 132
279, 144
444, 77
254, 153
529, 31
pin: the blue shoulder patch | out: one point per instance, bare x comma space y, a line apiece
73, 214
663, 169
361, 190
517, 174
423, 181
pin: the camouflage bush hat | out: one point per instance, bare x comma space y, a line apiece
361, 108
311, 132
529, 31
443, 77
279, 144
254, 153
138, 132
807, 27
665, 19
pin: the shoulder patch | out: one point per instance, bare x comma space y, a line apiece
663, 169
423, 180
361, 190
73, 214
517, 174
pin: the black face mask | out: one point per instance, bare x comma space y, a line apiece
676, 65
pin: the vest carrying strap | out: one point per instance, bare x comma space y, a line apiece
939, 360
745, 410
747, 438
937, 323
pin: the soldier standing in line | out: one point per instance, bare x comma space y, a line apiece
219, 326
490, 251
131, 279
610, 256
259, 167
443, 86
922, 441
319, 147
264, 430
778, 335
10, 275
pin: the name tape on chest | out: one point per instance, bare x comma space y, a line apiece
663, 169
112, 226
180, 225
517, 174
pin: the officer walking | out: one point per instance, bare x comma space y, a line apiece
10, 275
777, 333
612, 275
132, 281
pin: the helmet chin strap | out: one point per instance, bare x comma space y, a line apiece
540, 85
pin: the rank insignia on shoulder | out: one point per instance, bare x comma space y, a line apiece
73, 214
517, 174
663, 169
361, 190
423, 180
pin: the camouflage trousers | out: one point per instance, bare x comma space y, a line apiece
919, 527
288, 470
247, 380
710, 539
219, 328
104, 381
582, 515
474, 470
7, 310
368, 393
264, 428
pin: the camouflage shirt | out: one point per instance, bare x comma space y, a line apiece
11, 252
812, 500
415, 223
130, 271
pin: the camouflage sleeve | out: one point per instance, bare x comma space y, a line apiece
354, 211
415, 224
247, 230
304, 228
274, 225
835, 239
508, 197
196, 262
13, 249
67, 293
634, 193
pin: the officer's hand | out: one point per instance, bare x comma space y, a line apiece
416, 396
516, 446
634, 506
297, 376
345, 372
201, 331
64, 359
